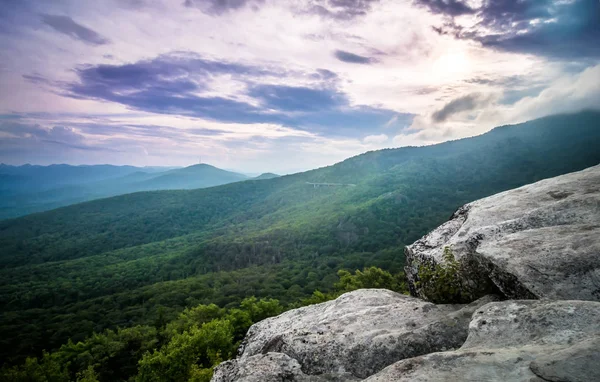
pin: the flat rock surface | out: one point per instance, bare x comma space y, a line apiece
357, 334
515, 341
537, 241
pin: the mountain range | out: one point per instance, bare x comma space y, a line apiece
142, 257
28, 189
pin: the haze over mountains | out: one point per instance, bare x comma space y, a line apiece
28, 189
135, 258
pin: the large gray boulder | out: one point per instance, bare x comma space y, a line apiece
352, 337
271, 367
530, 341
537, 241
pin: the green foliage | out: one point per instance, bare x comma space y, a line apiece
112, 354
201, 338
189, 354
193, 317
441, 282
186, 348
87, 375
316, 298
261, 309
371, 277
46, 369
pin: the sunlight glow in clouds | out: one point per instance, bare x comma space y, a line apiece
281, 86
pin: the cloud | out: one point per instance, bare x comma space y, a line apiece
375, 139
325, 75
567, 30
183, 84
220, 6
66, 25
558, 29
292, 98
352, 58
458, 105
25, 137
447, 7
572, 93
349, 121
168, 84
567, 94
252, 89
340, 9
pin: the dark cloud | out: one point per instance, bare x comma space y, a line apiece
565, 29
178, 70
167, 84
66, 25
458, 105
139, 4
173, 84
352, 58
447, 7
341, 9
291, 98
36, 78
220, 6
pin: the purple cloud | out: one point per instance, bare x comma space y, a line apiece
68, 26
352, 58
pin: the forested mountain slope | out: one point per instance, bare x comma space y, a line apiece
267, 175
28, 189
134, 258
196, 176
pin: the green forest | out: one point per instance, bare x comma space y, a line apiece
186, 348
162, 285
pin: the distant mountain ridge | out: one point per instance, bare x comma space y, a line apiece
266, 175
32, 188
196, 176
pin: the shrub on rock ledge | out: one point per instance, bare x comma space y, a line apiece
442, 282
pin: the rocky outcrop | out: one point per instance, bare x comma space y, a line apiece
354, 336
271, 367
538, 245
523, 340
537, 241
516, 340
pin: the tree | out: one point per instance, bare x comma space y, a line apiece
47, 369
192, 353
371, 277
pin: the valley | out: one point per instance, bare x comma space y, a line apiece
137, 258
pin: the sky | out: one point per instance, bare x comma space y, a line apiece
281, 85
